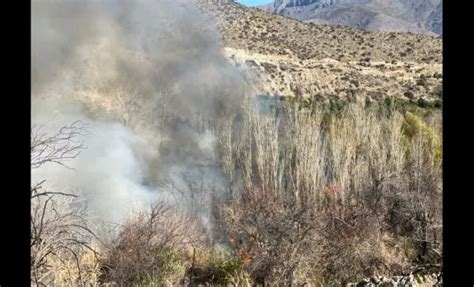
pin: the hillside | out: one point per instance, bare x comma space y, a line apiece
294, 58
417, 16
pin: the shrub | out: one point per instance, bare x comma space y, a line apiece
149, 247
217, 267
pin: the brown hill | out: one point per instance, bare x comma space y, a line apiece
294, 58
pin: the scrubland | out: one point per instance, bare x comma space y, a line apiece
322, 194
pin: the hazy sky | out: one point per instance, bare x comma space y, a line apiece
254, 2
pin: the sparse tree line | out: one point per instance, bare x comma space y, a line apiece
334, 195
315, 197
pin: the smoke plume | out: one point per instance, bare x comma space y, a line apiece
147, 77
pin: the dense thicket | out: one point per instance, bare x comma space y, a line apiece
334, 194
314, 194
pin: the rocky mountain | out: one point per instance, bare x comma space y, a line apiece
416, 16
304, 59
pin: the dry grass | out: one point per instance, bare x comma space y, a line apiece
317, 194
351, 186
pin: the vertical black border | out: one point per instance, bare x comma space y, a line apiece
16, 122
458, 111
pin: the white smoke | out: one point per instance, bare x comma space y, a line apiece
145, 76
109, 172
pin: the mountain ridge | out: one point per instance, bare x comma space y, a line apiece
288, 57
416, 16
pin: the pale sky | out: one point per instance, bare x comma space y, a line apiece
254, 2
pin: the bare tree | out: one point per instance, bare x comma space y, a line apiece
58, 148
60, 234
373, 180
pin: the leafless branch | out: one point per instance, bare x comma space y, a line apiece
63, 146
